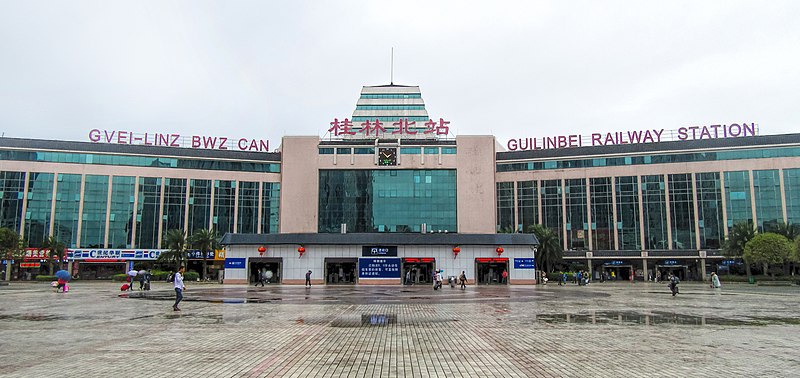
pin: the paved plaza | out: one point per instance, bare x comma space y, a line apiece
609, 330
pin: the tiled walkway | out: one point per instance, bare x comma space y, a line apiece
604, 330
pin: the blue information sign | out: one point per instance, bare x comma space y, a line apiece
379, 268
234, 263
524, 263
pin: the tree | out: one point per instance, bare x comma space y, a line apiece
205, 240
55, 248
789, 230
175, 241
738, 236
11, 248
550, 250
767, 248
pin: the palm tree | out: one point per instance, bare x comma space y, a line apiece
550, 250
790, 230
55, 248
738, 236
175, 241
205, 240
11, 248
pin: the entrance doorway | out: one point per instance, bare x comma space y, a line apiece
418, 270
340, 271
663, 271
271, 267
616, 272
489, 271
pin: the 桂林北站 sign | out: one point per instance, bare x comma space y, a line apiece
615, 138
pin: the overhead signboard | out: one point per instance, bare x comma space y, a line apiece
378, 251
379, 268
114, 254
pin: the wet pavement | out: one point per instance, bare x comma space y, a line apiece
520, 331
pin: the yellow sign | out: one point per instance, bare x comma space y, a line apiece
219, 254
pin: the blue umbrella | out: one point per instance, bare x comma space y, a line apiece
63, 274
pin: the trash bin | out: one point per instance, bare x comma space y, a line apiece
751, 280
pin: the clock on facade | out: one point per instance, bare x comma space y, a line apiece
387, 156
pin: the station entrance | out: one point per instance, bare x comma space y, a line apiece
616, 272
270, 267
489, 271
663, 271
341, 271
418, 270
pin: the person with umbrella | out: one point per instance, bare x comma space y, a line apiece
63, 277
131, 277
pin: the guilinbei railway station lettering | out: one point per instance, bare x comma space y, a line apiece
177, 140
733, 130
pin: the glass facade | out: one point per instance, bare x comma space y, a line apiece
120, 226
666, 158
527, 205
767, 196
12, 195
174, 217
199, 205
148, 210
224, 202
505, 207
387, 200
576, 216
247, 214
628, 225
270, 207
681, 205
737, 197
552, 210
602, 213
791, 184
654, 206
68, 202
95, 208
38, 208
709, 210
139, 161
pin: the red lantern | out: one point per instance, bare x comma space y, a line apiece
261, 250
301, 250
456, 251
499, 251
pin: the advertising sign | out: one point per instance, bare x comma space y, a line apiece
524, 263
235, 263
379, 268
378, 251
114, 254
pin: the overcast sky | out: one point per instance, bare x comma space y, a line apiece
265, 69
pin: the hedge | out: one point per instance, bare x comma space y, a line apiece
191, 276
45, 278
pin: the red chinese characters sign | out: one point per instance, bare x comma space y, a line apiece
376, 128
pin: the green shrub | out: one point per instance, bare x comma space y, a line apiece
122, 277
159, 275
191, 276
44, 278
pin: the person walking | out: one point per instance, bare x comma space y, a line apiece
715, 281
260, 278
463, 280
308, 279
179, 288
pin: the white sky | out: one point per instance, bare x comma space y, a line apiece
265, 69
